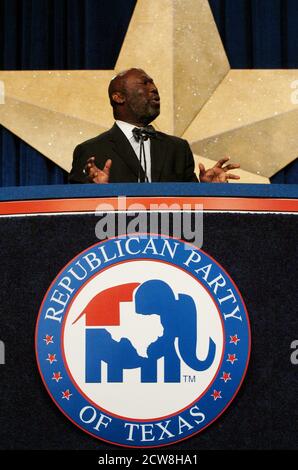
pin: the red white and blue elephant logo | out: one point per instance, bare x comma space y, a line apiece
178, 318
142, 342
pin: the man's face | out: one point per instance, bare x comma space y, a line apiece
141, 96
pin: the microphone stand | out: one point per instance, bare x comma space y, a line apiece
142, 158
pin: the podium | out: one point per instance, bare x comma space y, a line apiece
251, 230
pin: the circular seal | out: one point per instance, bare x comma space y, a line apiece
142, 341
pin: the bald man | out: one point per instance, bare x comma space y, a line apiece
132, 150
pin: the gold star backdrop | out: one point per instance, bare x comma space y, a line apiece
247, 114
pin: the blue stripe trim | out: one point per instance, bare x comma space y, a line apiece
153, 189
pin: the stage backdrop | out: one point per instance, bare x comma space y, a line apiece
87, 34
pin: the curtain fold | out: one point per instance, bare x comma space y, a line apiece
87, 34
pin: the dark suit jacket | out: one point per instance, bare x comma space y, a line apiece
171, 158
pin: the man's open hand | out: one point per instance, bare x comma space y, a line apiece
218, 173
95, 175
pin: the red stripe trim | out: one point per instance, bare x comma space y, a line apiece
91, 204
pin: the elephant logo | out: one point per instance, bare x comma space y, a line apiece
142, 342
175, 339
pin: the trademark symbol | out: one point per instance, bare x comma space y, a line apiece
189, 378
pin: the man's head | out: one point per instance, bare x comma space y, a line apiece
134, 97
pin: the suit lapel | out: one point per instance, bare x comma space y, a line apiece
124, 149
158, 151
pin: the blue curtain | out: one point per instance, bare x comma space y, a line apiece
54, 34
78, 34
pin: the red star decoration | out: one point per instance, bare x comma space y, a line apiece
57, 376
48, 339
234, 339
66, 394
226, 376
216, 394
51, 358
232, 358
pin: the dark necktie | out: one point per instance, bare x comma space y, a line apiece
141, 134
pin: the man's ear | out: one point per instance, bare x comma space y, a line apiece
118, 97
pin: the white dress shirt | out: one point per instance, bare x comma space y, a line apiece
127, 128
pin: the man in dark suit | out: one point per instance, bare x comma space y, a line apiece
132, 151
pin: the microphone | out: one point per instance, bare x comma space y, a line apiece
143, 132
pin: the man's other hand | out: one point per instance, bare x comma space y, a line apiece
218, 173
95, 175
